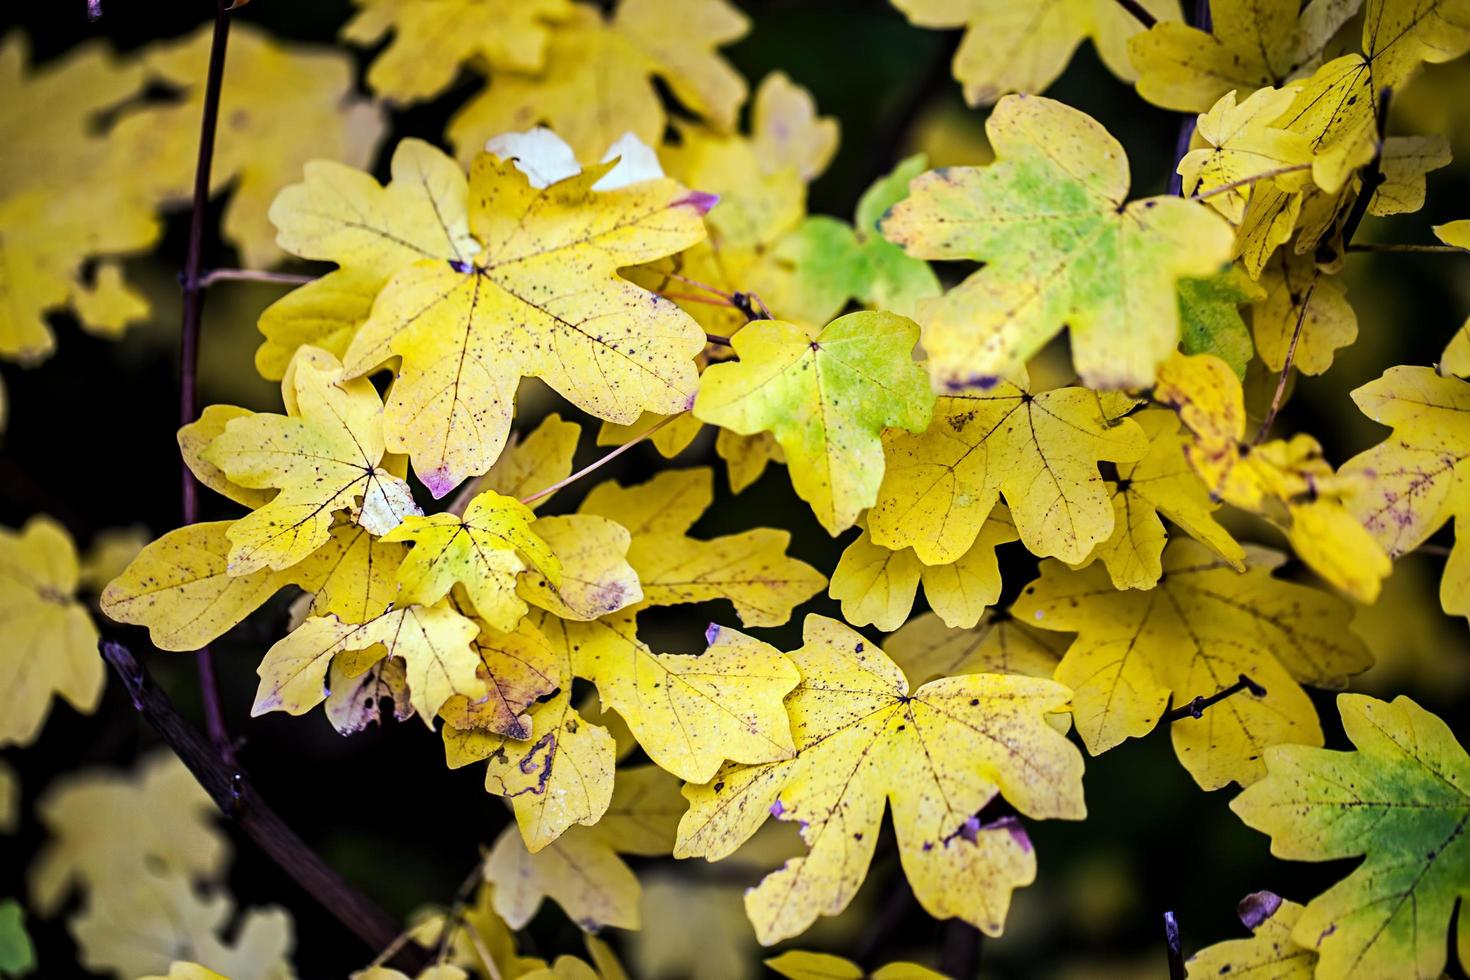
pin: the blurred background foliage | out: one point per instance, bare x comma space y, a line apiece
91, 441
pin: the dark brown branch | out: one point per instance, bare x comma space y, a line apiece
230, 788
1196, 708
1174, 947
1372, 177
1139, 13
189, 340
1279, 397
1405, 247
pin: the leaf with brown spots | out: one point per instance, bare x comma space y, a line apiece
938, 754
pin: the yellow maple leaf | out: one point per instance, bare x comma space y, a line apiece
532, 464
925, 648
1161, 483
1303, 303
324, 313
1248, 46
1039, 451
1242, 147
52, 645
483, 550
1337, 107
863, 738
469, 327
281, 106
325, 456
1270, 952
876, 585
1063, 247
51, 197
1411, 484
435, 643
105, 827
597, 80
798, 964
826, 396
1197, 632
749, 569
1285, 481
355, 702
433, 39
595, 579
1011, 47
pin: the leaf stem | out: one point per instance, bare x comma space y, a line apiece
253, 275
1196, 708
1252, 179
591, 467
230, 788
1139, 13
189, 340
452, 917
1280, 395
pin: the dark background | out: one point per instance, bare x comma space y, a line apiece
91, 441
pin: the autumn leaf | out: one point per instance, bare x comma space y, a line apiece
151, 917
532, 464
1248, 46
1024, 48
582, 870
862, 737
1162, 483
826, 396
105, 828
1270, 952
1038, 450
689, 713
877, 586
1062, 247
926, 649
1410, 485
51, 645
483, 550
596, 579
432, 40
1242, 148
750, 569
1401, 802
1197, 632
281, 106
1285, 481
1337, 107
324, 313
798, 964
435, 643
597, 82
1210, 321
468, 327
53, 150
325, 456
1304, 304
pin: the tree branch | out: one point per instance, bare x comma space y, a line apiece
1174, 947
189, 341
1203, 21
230, 788
253, 275
1138, 12
1196, 708
1405, 247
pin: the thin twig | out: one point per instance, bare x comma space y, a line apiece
1280, 395
1437, 550
1405, 247
679, 277
590, 467
1247, 181
1372, 177
486, 959
214, 718
692, 298
1174, 947
1139, 13
456, 908
230, 788
253, 275
1196, 708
